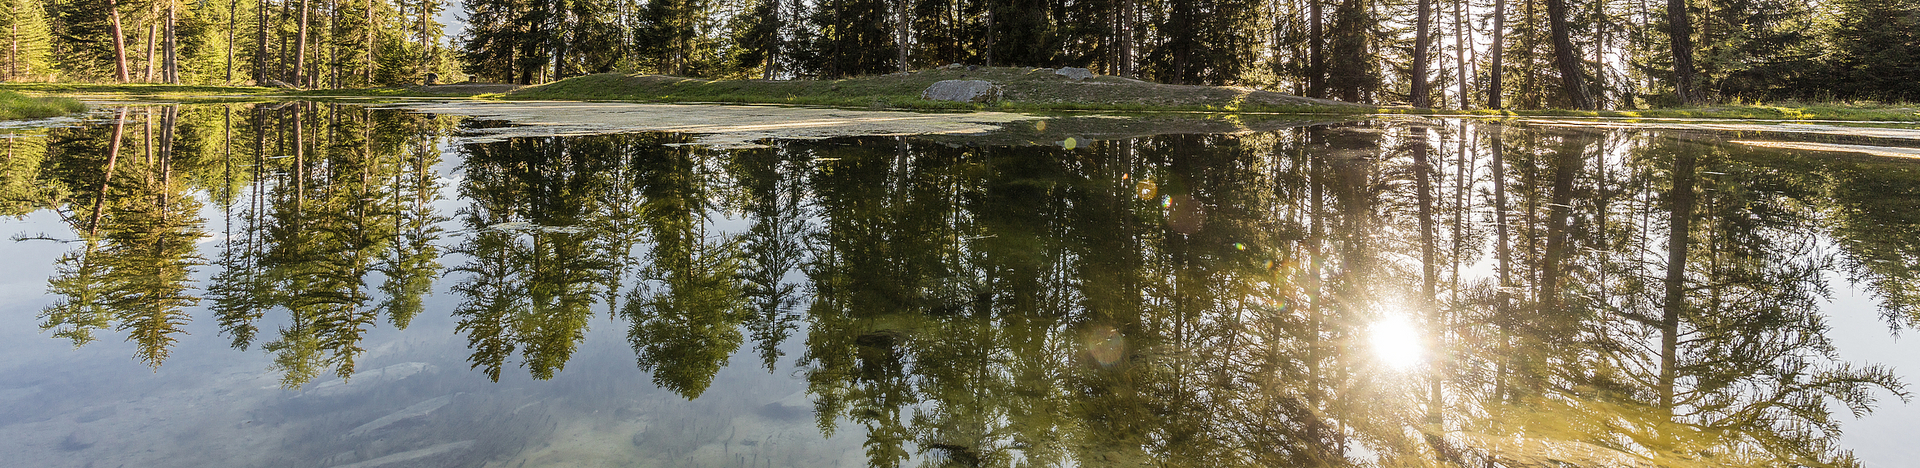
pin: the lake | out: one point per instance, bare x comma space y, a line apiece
347, 285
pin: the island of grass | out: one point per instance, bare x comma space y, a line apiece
19, 106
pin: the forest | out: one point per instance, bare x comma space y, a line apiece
1502, 54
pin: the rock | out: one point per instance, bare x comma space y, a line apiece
417, 410
980, 91
364, 380
1075, 74
78, 440
416, 457
279, 84
953, 66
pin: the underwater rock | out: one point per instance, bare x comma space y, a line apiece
420, 409
420, 457
78, 440
368, 379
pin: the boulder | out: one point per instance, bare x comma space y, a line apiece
1075, 74
980, 91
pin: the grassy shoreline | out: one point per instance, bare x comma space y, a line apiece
1026, 90
19, 106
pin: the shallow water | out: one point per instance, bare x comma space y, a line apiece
1287, 293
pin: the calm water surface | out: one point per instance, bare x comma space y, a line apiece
331, 285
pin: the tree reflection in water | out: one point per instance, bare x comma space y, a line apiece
1581, 297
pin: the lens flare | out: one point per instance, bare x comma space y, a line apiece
1397, 343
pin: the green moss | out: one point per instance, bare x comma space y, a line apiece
19, 106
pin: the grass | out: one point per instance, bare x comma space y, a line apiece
1026, 90
138, 89
19, 106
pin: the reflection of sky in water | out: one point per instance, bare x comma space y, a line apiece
413, 402
416, 402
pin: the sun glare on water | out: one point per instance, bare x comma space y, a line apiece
1397, 343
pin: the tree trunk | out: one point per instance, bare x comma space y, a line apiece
1567, 59
260, 44
119, 42
1503, 297
1461, 45
1429, 293
991, 4
1680, 36
1124, 64
1569, 160
153, 47
300, 48
233, 8
559, 39
367, 75
426, 50
900, 32
1499, 54
1679, 225
171, 69
1316, 50
113, 156
1422, 40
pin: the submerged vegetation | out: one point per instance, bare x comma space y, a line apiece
1643, 298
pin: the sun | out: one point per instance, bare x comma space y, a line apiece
1397, 343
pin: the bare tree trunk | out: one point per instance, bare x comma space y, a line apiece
900, 32
426, 54
153, 47
1503, 297
1429, 293
233, 8
1679, 225
171, 69
1461, 44
113, 156
367, 77
1568, 60
1316, 50
1422, 40
300, 48
13, 51
559, 39
1499, 53
260, 44
119, 42
1680, 37
991, 4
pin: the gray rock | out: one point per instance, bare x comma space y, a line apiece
962, 91
1075, 74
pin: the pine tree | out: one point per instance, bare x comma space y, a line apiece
23, 25
1876, 50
